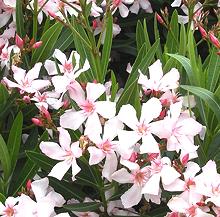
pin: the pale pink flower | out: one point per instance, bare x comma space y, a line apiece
27, 82
90, 110
160, 168
105, 148
158, 81
120, 5
140, 129
9, 209
183, 206
66, 152
144, 4
179, 129
138, 177
46, 200
96, 11
208, 183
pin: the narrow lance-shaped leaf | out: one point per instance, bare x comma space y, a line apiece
207, 96
83, 207
5, 159
14, 139
49, 39
107, 46
19, 19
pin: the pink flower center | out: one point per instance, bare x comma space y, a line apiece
156, 166
88, 106
25, 83
106, 146
9, 211
140, 177
142, 129
190, 183
192, 211
68, 67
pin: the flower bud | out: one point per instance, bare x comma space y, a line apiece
37, 122
26, 99
185, 159
37, 44
133, 157
19, 41
214, 40
160, 19
45, 113
203, 32
28, 185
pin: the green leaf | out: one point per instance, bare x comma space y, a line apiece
66, 189
213, 71
2, 198
193, 60
139, 35
107, 46
172, 44
65, 40
49, 39
19, 19
14, 139
207, 96
5, 159
186, 64
83, 207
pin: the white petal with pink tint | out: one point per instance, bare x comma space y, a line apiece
94, 91
132, 196
152, 186
59, 170
52, 150
122, 176
128, 116
72, 119
96, 155
106, 109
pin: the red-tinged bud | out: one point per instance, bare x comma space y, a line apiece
95, 81
147, 92
26, 99
133, 157
52, 14
203, 32
94, 24
37, 44
185, 159
163, 114
45, 113
28, 185
214, 40
66, 104
19, 41
37, 122
218, 53
160, 19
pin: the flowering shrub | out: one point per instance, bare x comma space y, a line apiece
109, 108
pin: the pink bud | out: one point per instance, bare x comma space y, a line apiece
19, 41
45, 113
160, 19
133, 157
214, 40
203, 32
162, 114
28, 185
37, 122
52, 14
37, 44
26, 99
173, 214
185, 159
94, 24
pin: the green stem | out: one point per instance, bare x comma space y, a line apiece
35, 14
